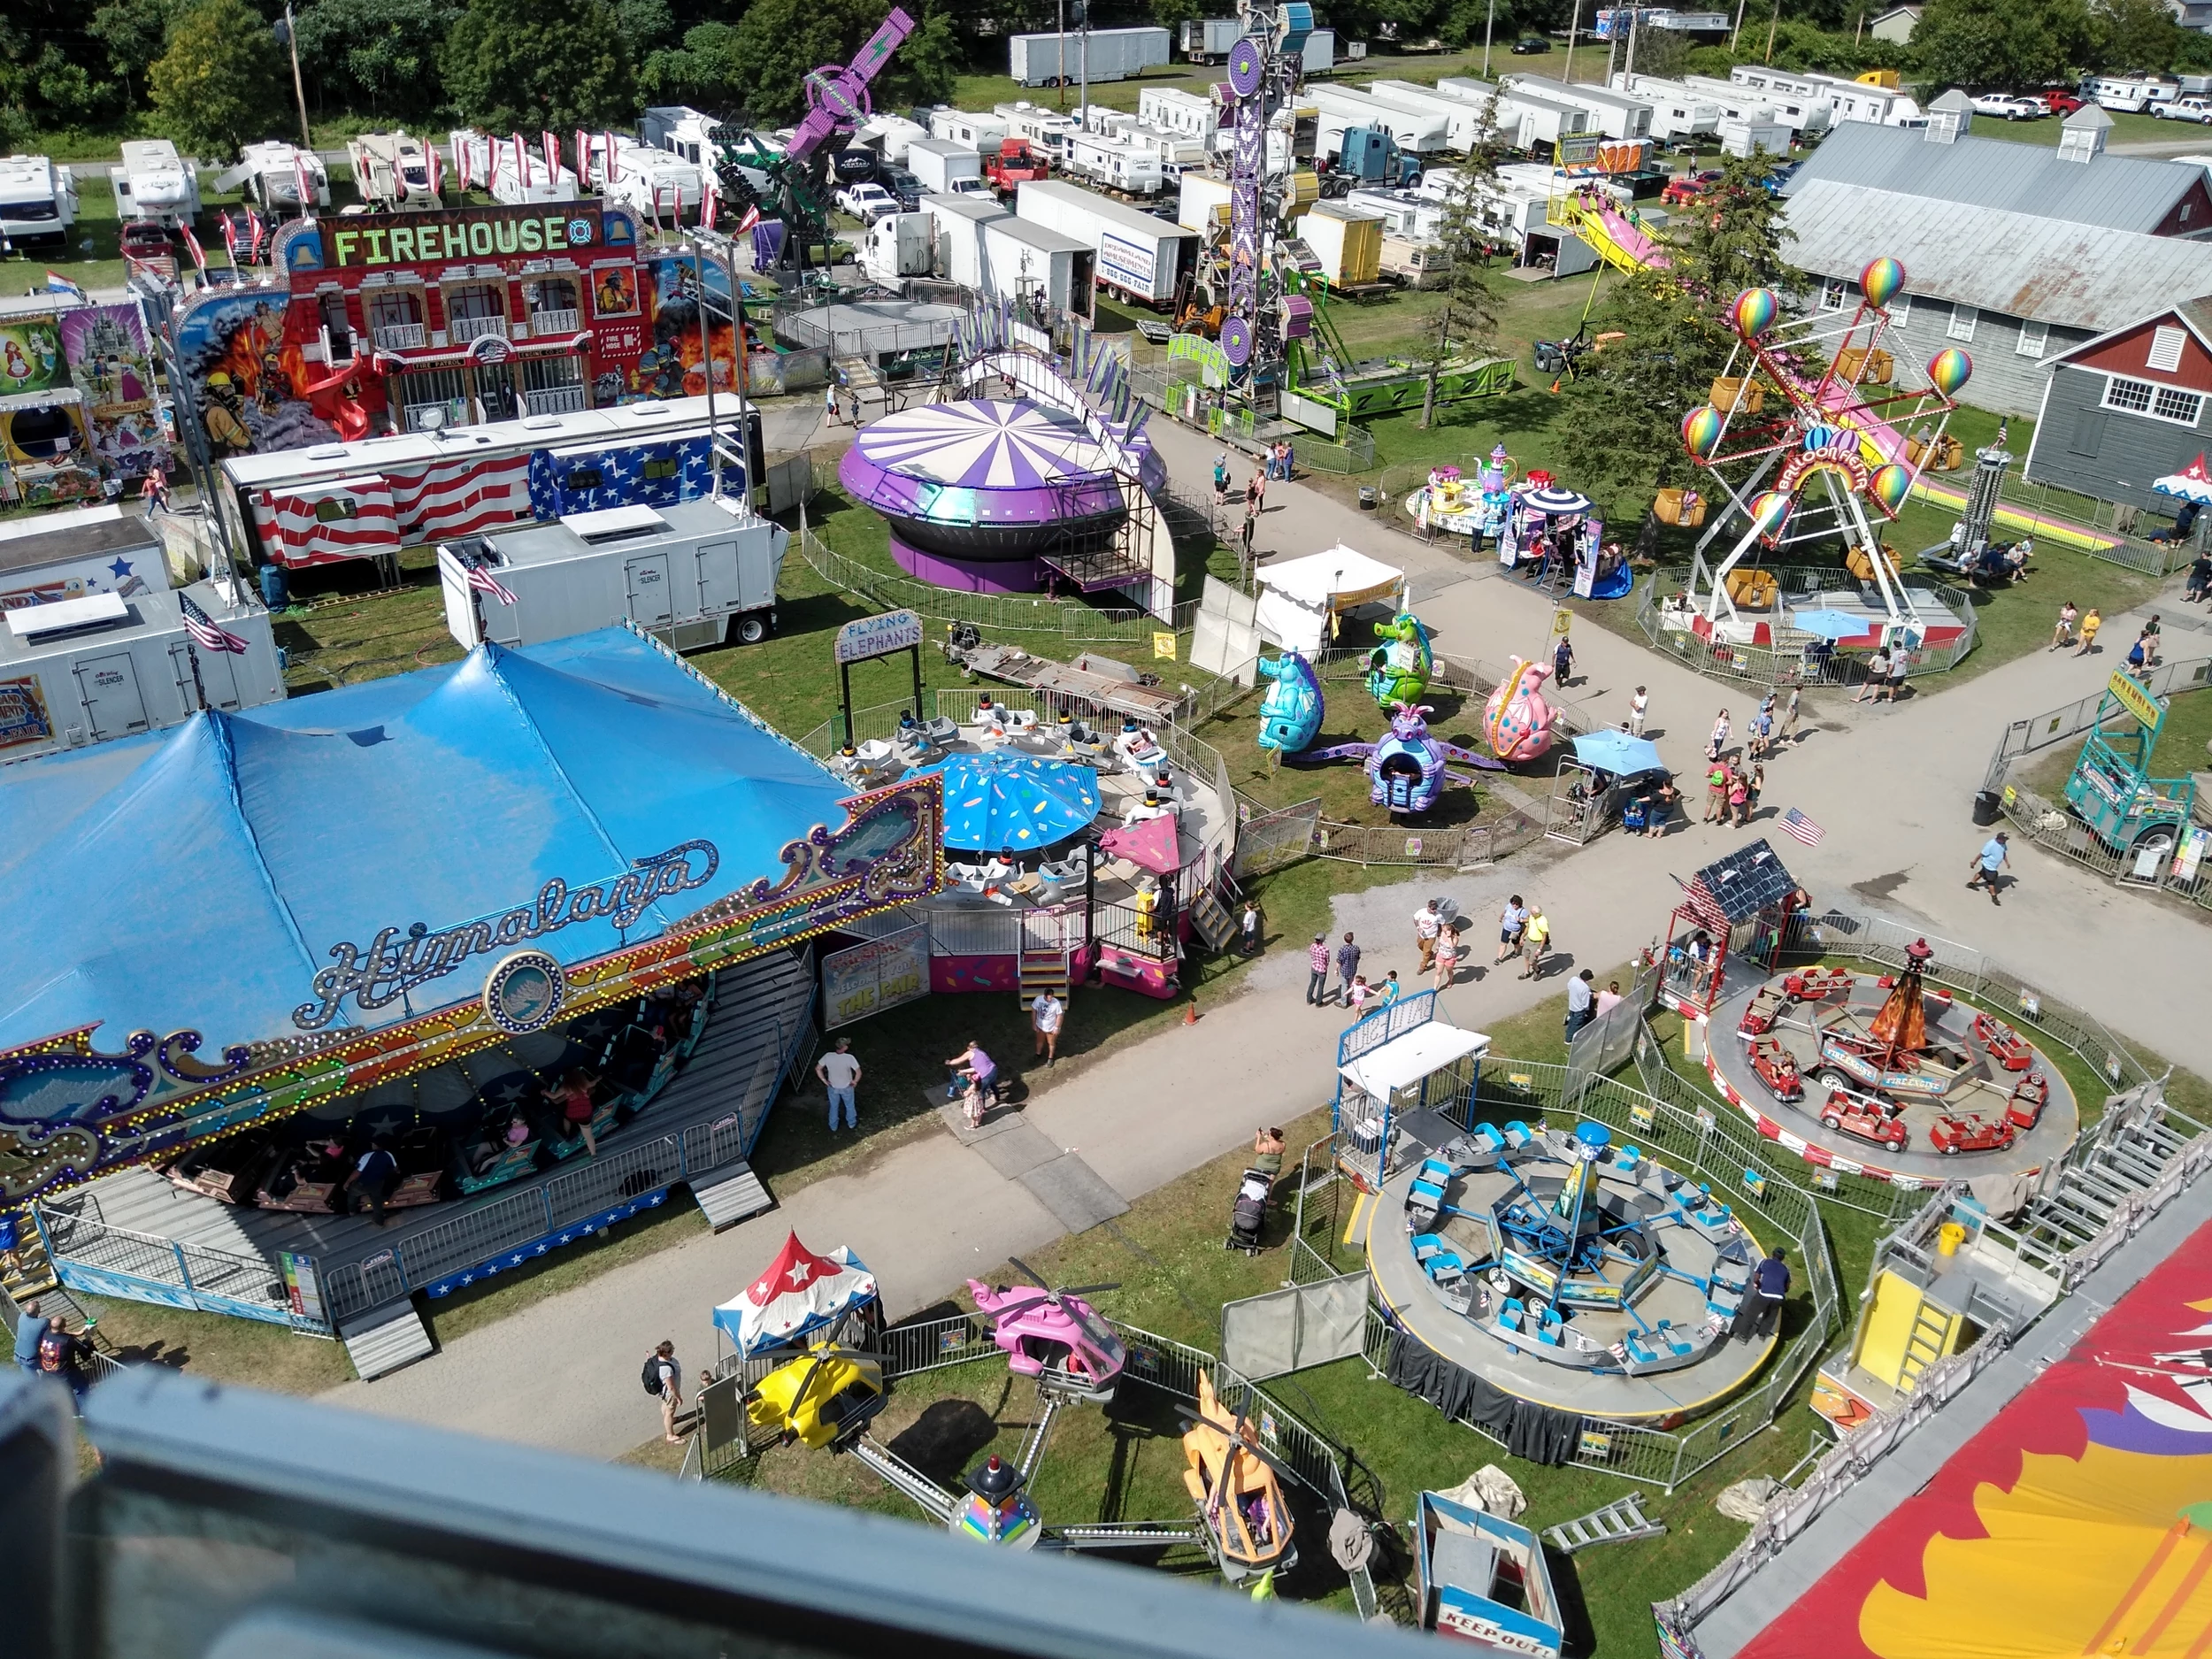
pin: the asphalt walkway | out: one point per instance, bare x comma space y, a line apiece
1891, 787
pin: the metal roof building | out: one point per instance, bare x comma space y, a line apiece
2011, 251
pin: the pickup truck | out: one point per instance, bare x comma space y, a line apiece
2190, 109
866, 203
2008, 107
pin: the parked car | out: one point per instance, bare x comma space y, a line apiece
2195, 108
2059, 102
903, 185
1688, 187
2009, 106
867, 202
1529, 45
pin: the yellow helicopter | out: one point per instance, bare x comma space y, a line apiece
827, 1396
1236, 1487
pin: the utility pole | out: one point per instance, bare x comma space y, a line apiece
1736, 34
1773, 23
1574, 27
1060, 74
1083, 55
1489, 24
292, 44
1635, 13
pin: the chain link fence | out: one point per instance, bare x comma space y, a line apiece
1795, 659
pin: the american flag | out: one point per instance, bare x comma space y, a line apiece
1798, 825
751, 218
206, 633
192, 242
485, 582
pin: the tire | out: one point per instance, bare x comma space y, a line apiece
752, 630
1951, 1150
1829, 1120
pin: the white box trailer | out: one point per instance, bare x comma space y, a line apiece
1036, 263
1203, 204
1176, 111
683, 574
889, 135
1414, 216
1745, 138
153, 183
1208, 39
1800, 111
978, 133
38, 201
940, 163
1534, 123
76, 552
1463, 117
1618, 115
956, 225
1678, 114
1176, 151
1121, 164
1052, 60
898, 246
1139, 256
1422, 131
372, 498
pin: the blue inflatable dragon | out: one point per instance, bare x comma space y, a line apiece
1290, 714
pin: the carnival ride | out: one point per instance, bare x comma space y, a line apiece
2110, 788
1517, 719
1405, 769
796, 177
1398, 669
1056, 1333
1889, 1063
1836, 430
1450, 503
1290, 713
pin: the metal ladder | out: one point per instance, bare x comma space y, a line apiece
1923, 1343
1615, 1524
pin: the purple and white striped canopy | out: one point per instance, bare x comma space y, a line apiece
984, 444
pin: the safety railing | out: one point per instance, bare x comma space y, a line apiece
92, 1256
1795, 659
2108, 519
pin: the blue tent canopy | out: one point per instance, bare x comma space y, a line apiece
199, 878
1007, 802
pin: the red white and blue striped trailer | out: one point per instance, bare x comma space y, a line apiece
374, 497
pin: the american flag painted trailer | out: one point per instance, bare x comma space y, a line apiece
371, 498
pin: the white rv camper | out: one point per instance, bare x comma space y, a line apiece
270, 176
154, 185
38, 201
658, 183
391, 171
516, 174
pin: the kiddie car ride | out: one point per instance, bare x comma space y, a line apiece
1776, 1069
1951, 1135
1863, 1119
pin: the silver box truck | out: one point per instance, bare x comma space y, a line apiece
1051, 60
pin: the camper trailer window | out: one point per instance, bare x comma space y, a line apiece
582, 478
660, 466
333, 509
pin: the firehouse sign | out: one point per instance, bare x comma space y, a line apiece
420, 238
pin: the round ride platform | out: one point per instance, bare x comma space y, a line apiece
1646, 1240
1969, 1068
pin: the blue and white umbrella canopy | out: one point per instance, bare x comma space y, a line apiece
1555, 503
1007, 802
1618, 753
1833, 625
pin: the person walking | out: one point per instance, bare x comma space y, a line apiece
1716, 792
1580, 998
1447, 955
1769, 1285
1637, 706
1789, 717
1535, 940
1348, 956
829, 402
1221, 480
1754, 783
65, 1357
1876, 676
1739, 797
1511, 922
2090, 624
29, 1326
1389, 990
665, 1380
1762, 729
1427, 921
1562, 660
2063, 635
1252, 494
1716, 745
154, 491
1359, 994
1989, 864
840, 1073
1661, 810
852, 406
1899, 666
1317, 978
1045, 1012
1246, 533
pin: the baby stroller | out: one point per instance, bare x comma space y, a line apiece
1248, 1214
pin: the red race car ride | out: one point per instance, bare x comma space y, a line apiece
1865, 1120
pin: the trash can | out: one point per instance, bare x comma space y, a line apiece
1949, 1236
272, 594
1368, 497
1986, 805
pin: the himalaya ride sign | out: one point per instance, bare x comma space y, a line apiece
472, 232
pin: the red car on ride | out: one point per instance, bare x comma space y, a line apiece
1865, 1120
1953, 1135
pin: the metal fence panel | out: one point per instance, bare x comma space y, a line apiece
1291, 1329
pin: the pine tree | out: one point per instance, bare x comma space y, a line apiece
1471, 306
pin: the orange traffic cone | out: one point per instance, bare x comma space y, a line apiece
1555, 388
1190, 1012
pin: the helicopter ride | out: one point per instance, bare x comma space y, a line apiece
1053, 1335
827, 1396
1238, 1489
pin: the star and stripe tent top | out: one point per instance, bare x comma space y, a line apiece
1007, 802
2191, 483
800, 1294
199, 878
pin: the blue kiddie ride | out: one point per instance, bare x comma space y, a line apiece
1290, 714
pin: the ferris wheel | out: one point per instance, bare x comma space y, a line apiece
1839, 437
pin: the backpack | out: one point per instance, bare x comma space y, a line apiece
53, 1353
652, 1377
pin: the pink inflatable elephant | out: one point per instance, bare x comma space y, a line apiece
1517, 721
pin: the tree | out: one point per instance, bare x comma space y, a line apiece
134, 33
539, 65
1623, 436
2134, 35
216, 85
1470, 318
377, 56
1981, 43
760, 64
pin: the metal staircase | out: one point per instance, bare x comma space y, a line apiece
1211, 921
1615, 1524
2124, 1156
1044, 970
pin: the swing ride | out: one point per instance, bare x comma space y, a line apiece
1807, 469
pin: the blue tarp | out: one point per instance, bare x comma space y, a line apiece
199, 878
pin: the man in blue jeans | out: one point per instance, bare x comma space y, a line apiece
840, 1073
1762, 1299
30, 1325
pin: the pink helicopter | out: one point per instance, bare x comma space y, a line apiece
1053, 1335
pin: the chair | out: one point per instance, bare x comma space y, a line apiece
1488, 1140
1518, 1135
1423, 1203
1638, 1351
1670, 1335
1021, 722
1551, 1328
1426, 1244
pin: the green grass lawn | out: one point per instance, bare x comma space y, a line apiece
2127, 129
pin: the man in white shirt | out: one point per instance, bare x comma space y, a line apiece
1044, 1020
840, 1072
1578, 1001
1426, 921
